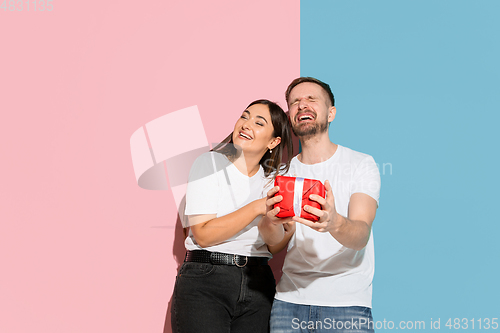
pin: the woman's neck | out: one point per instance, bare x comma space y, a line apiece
247, 164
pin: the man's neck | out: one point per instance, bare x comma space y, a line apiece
316, 149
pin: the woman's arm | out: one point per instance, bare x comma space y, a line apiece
276, 232
209, 230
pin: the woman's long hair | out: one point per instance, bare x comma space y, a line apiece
272, 163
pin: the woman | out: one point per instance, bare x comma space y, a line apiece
225, 284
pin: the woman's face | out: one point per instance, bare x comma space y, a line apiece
253, 132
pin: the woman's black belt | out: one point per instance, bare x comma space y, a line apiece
217, 258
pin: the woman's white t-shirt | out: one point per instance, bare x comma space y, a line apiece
216, 186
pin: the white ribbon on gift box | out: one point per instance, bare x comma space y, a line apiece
297, 196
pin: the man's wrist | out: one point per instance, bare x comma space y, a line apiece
337, 223
267, 223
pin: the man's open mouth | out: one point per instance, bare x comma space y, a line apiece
305, 117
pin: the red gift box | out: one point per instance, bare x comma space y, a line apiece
296, 192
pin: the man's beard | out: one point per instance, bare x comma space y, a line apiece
308, 130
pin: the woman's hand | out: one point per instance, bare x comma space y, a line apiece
271, 211
274, 230
260, 206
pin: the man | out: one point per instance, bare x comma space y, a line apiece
328, 270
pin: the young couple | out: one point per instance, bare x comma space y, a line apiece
225, 283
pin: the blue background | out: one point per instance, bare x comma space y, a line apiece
417, 86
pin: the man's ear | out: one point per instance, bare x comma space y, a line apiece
332, 111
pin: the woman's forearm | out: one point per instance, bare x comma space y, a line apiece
215, 230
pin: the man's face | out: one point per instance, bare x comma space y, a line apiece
309, 109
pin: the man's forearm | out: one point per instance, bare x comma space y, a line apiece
353, 234
271, 233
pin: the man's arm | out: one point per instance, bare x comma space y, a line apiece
352, 231
289, 229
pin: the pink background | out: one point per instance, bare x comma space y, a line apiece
83, 247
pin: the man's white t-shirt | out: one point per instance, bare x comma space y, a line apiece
318, 270
216, 186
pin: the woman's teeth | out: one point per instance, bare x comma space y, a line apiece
245, 136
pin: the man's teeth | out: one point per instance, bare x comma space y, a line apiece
305, 117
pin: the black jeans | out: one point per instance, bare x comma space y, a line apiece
221, 299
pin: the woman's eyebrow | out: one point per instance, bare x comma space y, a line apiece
256, 116
262, 118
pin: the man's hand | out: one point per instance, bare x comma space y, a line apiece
352, 231
328, 216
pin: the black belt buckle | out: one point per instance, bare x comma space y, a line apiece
216, 258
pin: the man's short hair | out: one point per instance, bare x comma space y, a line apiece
300, 80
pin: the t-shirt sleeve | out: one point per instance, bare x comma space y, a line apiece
202, 188
366, 178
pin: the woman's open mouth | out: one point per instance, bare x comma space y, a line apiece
245, 136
